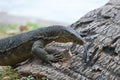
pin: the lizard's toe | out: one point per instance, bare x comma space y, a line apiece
55, 60
59, 56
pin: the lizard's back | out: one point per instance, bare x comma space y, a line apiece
17, 48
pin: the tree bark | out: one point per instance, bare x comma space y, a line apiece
101, 30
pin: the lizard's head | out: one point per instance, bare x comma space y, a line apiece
70, 35
65, 34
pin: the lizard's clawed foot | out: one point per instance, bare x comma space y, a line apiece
54, 57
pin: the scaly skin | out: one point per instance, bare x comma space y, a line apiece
17, 48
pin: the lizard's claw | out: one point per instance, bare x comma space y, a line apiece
54, 58
59, 56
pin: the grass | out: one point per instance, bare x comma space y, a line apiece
6, 29
8, 74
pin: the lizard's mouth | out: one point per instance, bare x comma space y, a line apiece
63, 39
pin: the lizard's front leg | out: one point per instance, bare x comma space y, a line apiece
39, 51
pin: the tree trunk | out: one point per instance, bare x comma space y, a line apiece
101, 30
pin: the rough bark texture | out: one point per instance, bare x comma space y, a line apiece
102, 27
